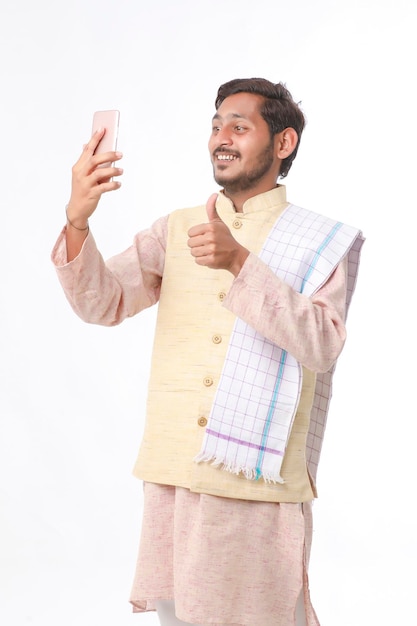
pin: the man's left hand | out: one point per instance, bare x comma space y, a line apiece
213, 245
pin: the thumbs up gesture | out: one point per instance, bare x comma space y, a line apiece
213, 245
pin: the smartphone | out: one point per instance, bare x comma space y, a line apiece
110, 121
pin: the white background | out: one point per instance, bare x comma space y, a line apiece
72, 395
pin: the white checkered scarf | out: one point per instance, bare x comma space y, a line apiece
259, 389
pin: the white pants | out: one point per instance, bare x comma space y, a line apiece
166, 613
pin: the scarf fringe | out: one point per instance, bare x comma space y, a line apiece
251, 473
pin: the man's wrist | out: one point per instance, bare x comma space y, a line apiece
240, 261
77, 223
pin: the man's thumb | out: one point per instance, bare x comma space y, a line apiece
211, 208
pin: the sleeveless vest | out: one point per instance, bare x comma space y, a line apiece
192, 335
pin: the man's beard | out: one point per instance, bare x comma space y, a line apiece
246, 180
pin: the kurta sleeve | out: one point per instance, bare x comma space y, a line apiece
107, 292
312, 329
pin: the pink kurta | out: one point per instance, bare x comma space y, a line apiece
225, 561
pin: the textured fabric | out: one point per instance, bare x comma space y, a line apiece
259, 389
182, 383
224, 561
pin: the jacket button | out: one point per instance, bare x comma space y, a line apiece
217, 339
202, 421
237, 223
208, 381
221, 296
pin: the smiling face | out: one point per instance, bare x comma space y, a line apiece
243, 155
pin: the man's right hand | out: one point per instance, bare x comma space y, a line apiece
89, 182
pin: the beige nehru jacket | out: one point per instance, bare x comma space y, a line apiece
196, 313
192, 335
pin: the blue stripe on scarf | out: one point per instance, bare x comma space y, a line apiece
270, 415
318, 252
277, 385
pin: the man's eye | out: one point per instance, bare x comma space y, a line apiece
239, 128
216, 129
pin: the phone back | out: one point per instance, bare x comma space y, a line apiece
110, 121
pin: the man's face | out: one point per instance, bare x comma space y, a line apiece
241, 149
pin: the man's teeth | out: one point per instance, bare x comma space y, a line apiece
226, 157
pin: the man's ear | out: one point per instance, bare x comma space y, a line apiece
286, 142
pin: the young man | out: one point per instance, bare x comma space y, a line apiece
253, 295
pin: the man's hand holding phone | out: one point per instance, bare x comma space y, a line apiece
92, 175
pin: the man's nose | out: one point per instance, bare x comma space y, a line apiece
224, 137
